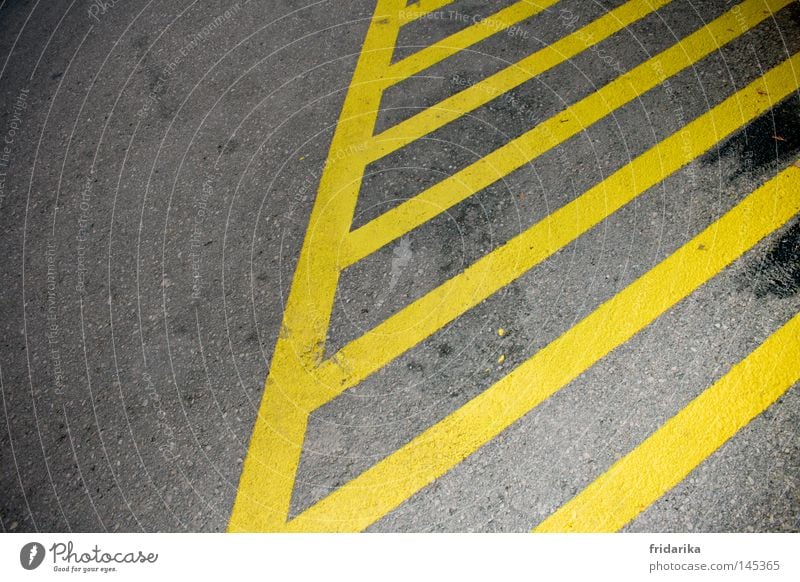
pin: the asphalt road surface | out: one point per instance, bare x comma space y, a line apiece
400, 266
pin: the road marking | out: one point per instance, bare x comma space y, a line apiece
267, 481
469, 99
465, 38
687, 439
418, 210
300, 378
381, 488
293, 386
412, 324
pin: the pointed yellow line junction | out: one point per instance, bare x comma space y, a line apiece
550, 133
459, 41
510, 77
301, 379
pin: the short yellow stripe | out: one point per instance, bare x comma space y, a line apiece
465, 38
687, 439
383, 487
504, 160
479, 94
420, 9
406, 328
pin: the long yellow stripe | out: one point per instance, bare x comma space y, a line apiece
383, 487
265, 487
406, 328
473, 34
450, 109
687, 439
504, 160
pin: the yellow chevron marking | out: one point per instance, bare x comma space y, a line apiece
300, 379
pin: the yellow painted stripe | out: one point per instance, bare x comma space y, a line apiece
420, 9
480, 93
265, 487
465, 38
390, 482
414, 323
556, 130
687, 439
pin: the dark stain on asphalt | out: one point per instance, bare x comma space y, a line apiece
794, 12
778, 274
770, 142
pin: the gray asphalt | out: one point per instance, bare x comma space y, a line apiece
162, 160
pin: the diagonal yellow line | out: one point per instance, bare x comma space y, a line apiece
267, 480
480, 93
295, 384
687, 439
390, 482
554, 131
414, 323
457, 42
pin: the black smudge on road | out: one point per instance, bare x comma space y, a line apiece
778, 273
770, 142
